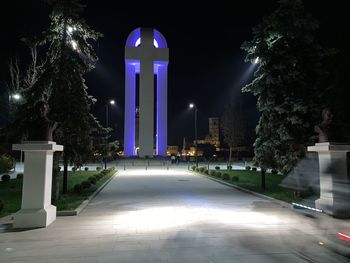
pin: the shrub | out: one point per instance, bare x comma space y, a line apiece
74, 169
5, 178
201, 169
206, 172
6, 163
92, 180
212, 173
78, 189
225, 176
229, 167
217, 167
193, 167
86, 184
19, 176
98, 168
254, 169
218, 174
97, 176
234, 178
274, 171
1, 205
104, 172
86, 168
247, 167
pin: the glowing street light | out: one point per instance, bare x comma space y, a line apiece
256, 61
193, 106
111, 102
16, 96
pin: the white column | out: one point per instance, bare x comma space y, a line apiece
334, 178
36, 209
162, 109
130, 107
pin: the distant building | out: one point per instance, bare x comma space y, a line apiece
172, 150
214, 132
213, 137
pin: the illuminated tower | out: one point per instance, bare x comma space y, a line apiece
146, 55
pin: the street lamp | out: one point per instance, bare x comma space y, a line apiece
111, 102
16, 96
193, 106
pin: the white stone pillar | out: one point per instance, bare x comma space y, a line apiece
36, 209
162, 109
146, 128
334, 178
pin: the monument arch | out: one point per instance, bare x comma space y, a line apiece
146, 55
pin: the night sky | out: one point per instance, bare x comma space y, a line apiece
206, 63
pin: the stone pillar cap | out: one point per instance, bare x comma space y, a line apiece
37, 146
329, 147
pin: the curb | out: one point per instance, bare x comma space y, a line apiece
274, 200
85, 202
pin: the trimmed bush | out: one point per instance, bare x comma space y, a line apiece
1, 205
92, 180
193, 167
86, 168
217, 167
78, 189
86, 184
5, 178
274, 171
201, 169
225, 176
254, 169
234, 178
98, 168
206, 172
97, 176
19, 176
6, 163
247, 167
212, 173
218, 174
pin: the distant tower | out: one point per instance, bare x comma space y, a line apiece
214, 131
146, 55
184, 147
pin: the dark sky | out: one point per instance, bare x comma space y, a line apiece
206, 63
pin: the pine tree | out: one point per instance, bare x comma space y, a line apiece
287, 84
68, 57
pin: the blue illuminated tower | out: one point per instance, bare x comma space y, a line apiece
146, 54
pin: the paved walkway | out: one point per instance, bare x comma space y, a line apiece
171, 216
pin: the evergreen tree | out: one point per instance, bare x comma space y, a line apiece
287, 83
68, 57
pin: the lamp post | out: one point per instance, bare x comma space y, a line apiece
13, 99
111, 102
193, 106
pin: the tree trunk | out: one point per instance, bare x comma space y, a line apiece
230, 159
65, 176
55, 194
263, 181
